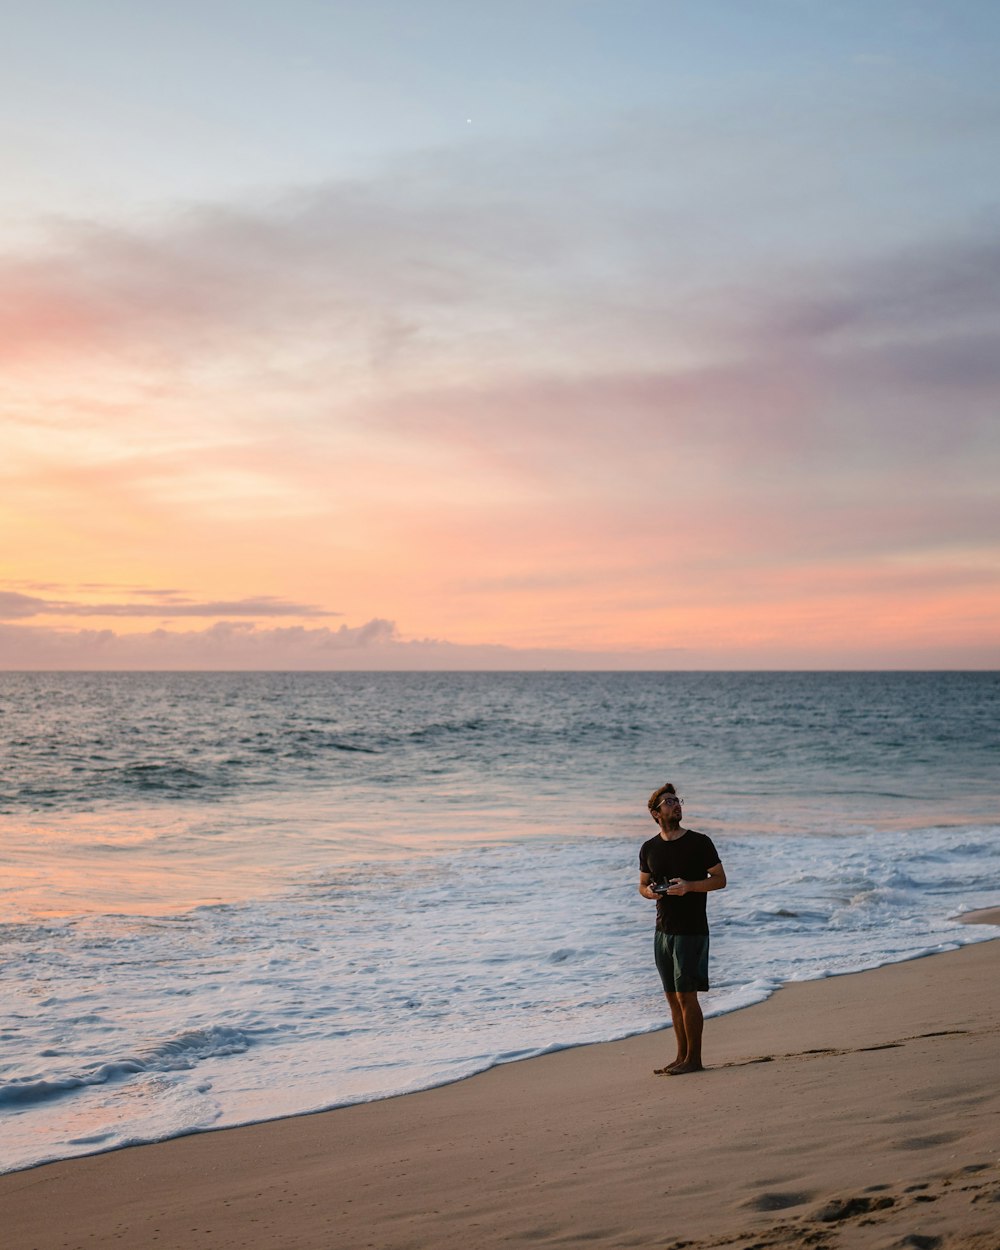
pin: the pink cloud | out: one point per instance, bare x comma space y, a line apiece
376, 645
17, 606
421, 395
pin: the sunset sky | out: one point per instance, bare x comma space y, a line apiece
500, 334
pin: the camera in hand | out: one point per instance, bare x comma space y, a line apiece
661, 887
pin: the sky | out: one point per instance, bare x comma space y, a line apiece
542, 334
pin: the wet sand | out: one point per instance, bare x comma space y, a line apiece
859, 1111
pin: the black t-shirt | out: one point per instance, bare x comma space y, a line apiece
688, 857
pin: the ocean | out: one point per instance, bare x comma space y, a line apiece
227, 897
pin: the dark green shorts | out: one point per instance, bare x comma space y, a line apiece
682, 961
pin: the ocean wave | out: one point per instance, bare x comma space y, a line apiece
162, 776
179, 1053
309, 744
22, 1091
448, 728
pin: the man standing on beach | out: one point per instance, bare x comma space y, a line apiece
678, 868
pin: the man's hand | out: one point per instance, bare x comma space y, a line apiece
716, 880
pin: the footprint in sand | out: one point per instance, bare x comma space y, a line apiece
925, 1143
846, 1208
776, 1201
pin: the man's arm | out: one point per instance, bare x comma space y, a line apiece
716, 880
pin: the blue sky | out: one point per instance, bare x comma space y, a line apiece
118, 107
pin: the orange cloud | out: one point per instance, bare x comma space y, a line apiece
416, 402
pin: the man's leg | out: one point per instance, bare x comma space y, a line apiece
680, 1030
688, 1009
665, 966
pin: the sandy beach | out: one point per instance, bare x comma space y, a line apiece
859, 1111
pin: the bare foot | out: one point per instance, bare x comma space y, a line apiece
682, 1069
669, 1069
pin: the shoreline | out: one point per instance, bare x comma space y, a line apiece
983, 915
856, 1089
980, 916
